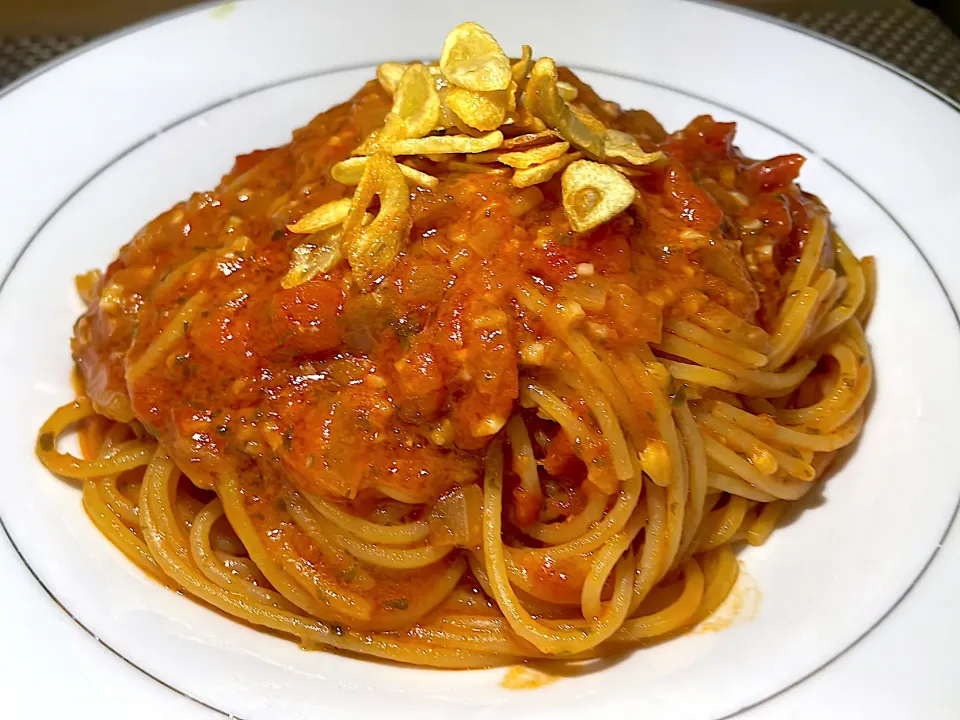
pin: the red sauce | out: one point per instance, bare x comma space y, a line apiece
338, 390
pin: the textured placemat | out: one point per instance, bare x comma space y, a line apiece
20, 55
911, 38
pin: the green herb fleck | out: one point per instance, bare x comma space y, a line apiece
397, 604
278, 233
281, 505
46, 442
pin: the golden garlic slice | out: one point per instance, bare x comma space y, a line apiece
512, 90
323, 217
318, 254
446, 144
594, 193
567, 91
389, 74
527, 122
473, 59
541, 173
534, 156
530, 139
521, 68
371, 249
451, 122
592, 122
415, 111
480, 110
620, 145
543, 100
350, 171
416, 102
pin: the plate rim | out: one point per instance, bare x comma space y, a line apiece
715, 4
208, 5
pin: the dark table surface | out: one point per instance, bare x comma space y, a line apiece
903, 34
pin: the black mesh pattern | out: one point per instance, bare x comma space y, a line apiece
909, 37
913, 39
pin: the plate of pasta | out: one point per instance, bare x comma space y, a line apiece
594, 370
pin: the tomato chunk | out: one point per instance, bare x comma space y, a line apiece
305, 317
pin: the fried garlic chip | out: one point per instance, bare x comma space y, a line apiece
567, 91
512, 90
480, 110
527, 122
389, 74
378, 139
323, 217
593, 194
534, 156
372, 249
318, 254
530, 139
474, 60
451, 122
525, 141
543, 100
416, 102
625, 147
415, 111
446, 144
591, 121
541, 173
350, 172
521, 68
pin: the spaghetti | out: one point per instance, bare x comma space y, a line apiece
478, 368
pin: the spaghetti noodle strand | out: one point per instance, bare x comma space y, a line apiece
459, 384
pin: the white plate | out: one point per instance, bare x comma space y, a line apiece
91, 149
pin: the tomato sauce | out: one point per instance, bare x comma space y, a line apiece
391, 393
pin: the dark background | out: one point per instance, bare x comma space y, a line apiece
949, 12
919, 37
93, 17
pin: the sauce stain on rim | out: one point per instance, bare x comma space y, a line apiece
523, 677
